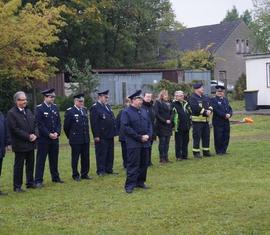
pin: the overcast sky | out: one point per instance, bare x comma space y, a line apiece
205, 12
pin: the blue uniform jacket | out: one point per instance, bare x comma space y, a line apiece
135, 123
76, 126
4, 137
48, 121
102, 120
220, 106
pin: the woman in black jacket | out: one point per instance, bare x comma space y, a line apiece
163, 126
181, 123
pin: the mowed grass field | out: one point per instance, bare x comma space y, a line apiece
218, 195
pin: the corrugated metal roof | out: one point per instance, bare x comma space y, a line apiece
126, 70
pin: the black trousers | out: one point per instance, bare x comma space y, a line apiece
137, 164
221, 137
124, 153
77, 151
29, 160
150, 154
181, 144
1, 161
163, 147
104, 155
52, 150
201, 131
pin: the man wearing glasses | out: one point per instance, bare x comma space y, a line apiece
76, 128
49, 127
222, 112
23, 132
103, 126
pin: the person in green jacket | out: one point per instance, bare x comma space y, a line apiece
181, 123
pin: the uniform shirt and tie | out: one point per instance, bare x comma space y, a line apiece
48, 122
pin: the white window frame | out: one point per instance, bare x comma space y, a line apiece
268, 75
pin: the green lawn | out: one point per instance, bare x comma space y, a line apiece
218, 195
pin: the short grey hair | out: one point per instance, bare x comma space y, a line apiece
17, 95
178, 93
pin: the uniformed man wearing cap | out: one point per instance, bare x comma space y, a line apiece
201, 112
76, 128
49, 126
222, 113
137, 128
103, 124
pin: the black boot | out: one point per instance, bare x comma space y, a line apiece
197, 155
206, 153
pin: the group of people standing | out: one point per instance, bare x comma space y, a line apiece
137, 125
137, 132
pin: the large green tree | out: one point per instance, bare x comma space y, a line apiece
233, 15
261, 24
25, 32
112, 33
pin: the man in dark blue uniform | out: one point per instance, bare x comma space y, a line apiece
49, 126
4, 142
103, 126
222, 113
137, 128
76, 128
201, 112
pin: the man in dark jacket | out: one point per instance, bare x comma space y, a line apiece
137, 129
49, 127
148, 106
4, 142
201, 112
103, 126
222, 113
23, 133
76, 128
181, 123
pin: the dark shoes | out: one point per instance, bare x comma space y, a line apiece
143, 186
101, 174
3, 194
207, 154
39, 185
18, 190
112, 173
129, 190
58, 181
32, 186
86, 177
77, 178
197, 155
